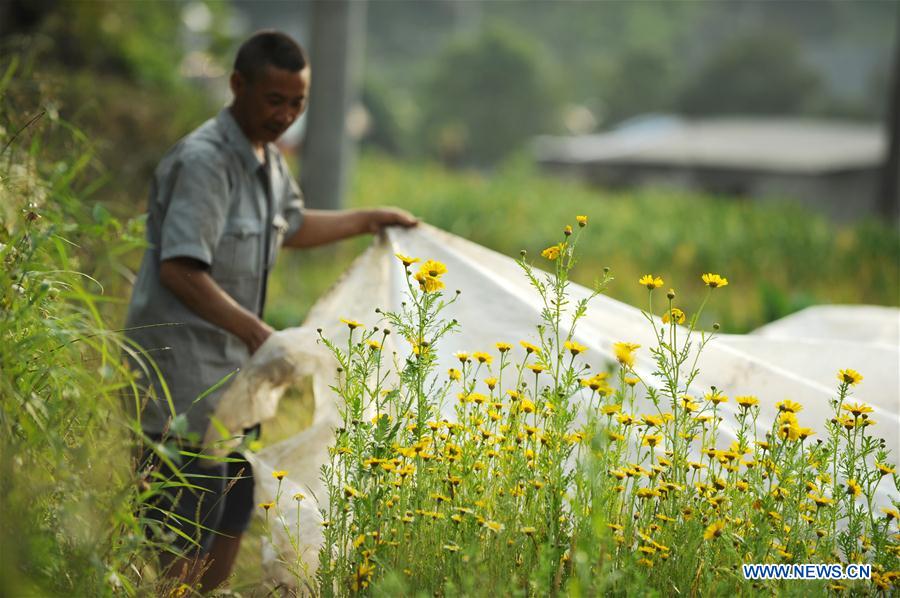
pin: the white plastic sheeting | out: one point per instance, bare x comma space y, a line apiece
861, 323
498, 304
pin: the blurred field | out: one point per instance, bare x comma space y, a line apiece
778, 257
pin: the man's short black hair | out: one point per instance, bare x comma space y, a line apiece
269, 47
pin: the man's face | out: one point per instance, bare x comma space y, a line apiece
269, 104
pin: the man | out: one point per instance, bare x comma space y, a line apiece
221, 203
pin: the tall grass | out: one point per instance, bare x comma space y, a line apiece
67, 488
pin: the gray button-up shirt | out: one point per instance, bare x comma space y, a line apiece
214, 201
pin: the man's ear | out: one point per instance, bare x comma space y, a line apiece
237, 82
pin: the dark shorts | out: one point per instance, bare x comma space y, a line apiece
215, 498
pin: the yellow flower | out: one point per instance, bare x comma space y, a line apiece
552, 252
805, 433
747, 401
716, 397
652, 420
279, 474
493, 526
625, 353
581, 220
611, 409
675, 314
857, 409
351, 492
529, 348
299, 496
652, 440
490, 382
567, 230
429, 284
597, 383
352, 323
267, 505
789, 430
689, 404
482, 357
884, 469
650, 281
433, 268
853, 488
714, 280
477, 398
373, 344
363, 575
631, 381
528, 530
890, 513
820, 501
454, 374
789, 406
574, 348
526, 406
407, 261
503, 347
537, 368
851, 377
462, 356
714, 530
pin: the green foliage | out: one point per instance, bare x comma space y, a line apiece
487, 96
67, 487
634, 82
678, 235
111, 70
522, 471
116, 38
759, 73
388, 131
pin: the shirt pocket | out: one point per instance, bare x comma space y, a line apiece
279, 228
238, 252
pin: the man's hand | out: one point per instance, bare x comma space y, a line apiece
256, 335
189, 280
379, 218
321, 227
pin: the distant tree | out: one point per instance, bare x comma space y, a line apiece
386, 130
23, 16
486, 97
760, 73
633, 82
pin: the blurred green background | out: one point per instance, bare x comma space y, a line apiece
451, 95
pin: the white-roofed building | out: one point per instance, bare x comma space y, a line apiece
831, 166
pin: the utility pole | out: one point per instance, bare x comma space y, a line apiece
889, 193
338, 42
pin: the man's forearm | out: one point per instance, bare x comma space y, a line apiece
194, 287
321, 227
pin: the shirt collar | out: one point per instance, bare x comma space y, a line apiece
238, 140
